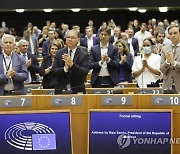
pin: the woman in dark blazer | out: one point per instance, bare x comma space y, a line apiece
49, 80
125, 63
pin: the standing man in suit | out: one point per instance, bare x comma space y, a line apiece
116, 35
31, 61
47, 43
33, 43
71, 65
89, 40
133, 42
170, 60
104, 60
13, 71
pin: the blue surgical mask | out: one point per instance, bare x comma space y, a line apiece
147, 50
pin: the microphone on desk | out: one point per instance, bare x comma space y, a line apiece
142, 54
142, 58
71, 90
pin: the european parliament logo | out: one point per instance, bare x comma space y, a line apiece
31, 136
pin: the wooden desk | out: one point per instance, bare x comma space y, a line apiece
164, 101
79, 115
125, 90
28, 87
42, 91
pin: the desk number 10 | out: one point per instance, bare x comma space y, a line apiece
174, 100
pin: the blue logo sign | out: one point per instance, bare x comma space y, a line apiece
159, 100
108, 100
31, 136
44, 141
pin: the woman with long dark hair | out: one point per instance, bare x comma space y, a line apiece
146, 67
126, 61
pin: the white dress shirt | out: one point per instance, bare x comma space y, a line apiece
89, 43
7, 64
104, 70
131, 47
29, 79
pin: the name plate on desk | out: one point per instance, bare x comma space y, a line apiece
117, 100
16, 102
102, 91
66, 101
50, 92
29, 87
166, 100
122, 85
149, 91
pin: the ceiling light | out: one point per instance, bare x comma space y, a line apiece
163, 9
103, 9
142, 10
20, 10
76, 9
47, 10
132, 8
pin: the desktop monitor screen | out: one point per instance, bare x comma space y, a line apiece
129, 132
35, 133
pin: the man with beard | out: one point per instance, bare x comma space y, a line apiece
160, 41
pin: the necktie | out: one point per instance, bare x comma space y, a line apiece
25, 56
70, 53
69, 74
174, 50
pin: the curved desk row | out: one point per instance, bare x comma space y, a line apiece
79, 106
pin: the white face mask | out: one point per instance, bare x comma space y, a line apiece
147, 50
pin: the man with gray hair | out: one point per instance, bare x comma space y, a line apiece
31, 61
13, 71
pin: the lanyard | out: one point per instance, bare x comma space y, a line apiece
7, 66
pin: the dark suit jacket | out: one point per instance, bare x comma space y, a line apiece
127, 67
21, 74
49, 80
76, 75
111, 40
45, 48
83, 41
135, 45
34, 67
113, 65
